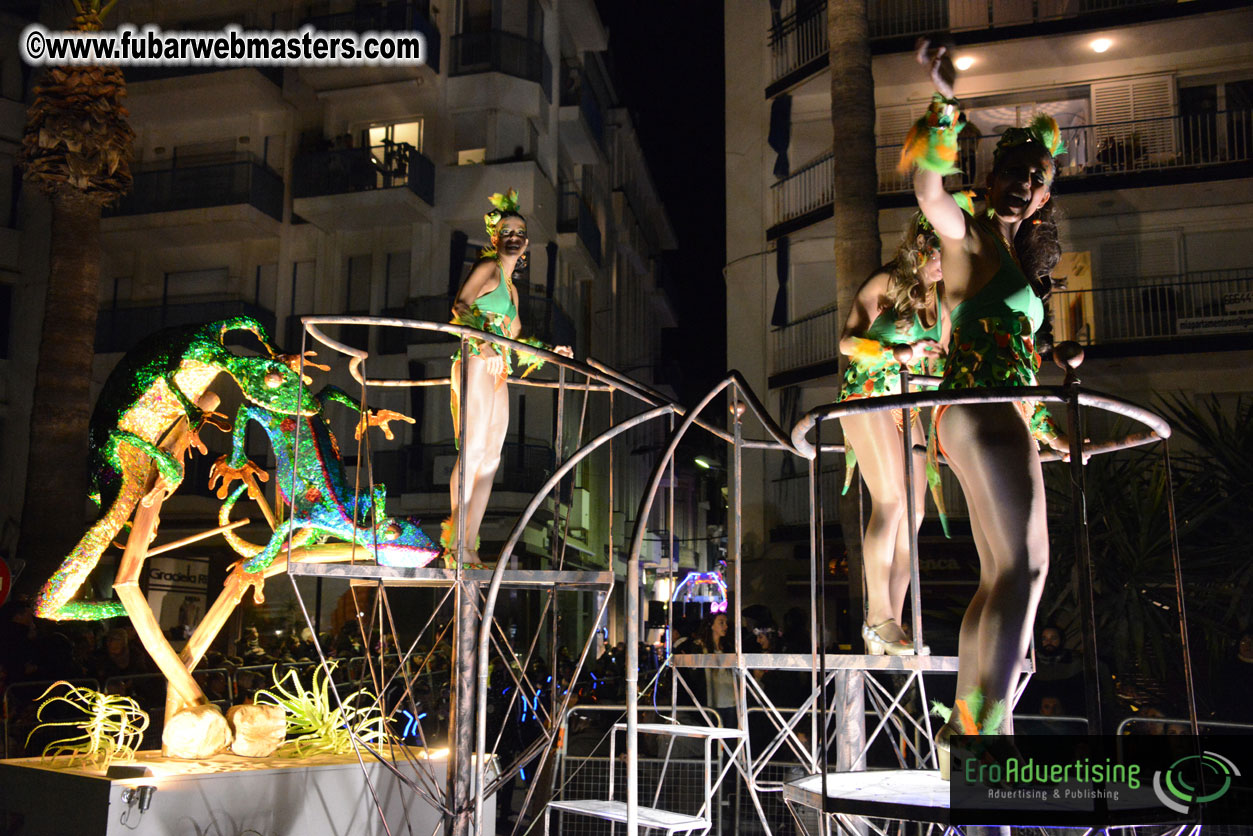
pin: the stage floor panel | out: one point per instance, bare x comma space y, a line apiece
907, 794
326, 795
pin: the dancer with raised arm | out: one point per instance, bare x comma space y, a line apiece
487, 301
898, 305
997, 267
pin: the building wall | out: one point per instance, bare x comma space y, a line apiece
1161, 234
370, 249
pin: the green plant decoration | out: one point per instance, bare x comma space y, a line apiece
318, 726
112, 727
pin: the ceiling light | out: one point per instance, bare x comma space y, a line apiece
1101, 44
964, 63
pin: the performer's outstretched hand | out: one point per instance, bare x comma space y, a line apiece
938, 60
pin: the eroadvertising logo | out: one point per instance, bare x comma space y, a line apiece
1076, 780
1178, 788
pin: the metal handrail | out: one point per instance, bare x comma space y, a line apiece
1159, 429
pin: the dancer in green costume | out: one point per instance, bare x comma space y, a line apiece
488, 301
997, 268
898, 305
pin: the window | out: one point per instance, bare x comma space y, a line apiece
1216, 121
396, 287
993, 119
407, 133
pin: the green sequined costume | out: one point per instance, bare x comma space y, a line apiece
992, 345
873, 371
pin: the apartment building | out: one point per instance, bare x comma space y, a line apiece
361, 190
1154, 101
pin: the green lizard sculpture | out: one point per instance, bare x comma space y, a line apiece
152, 388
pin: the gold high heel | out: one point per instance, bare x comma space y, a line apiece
878, 645
943, 751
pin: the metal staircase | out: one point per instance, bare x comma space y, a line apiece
650, 817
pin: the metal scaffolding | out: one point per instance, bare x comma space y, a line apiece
841, 801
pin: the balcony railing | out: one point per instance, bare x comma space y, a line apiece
502, 52
1193, 141
387, 166
574, 216
394, 16
811, 339
806, 189
577, 89
119, 329
187, 184
1171, 143
799, 35
1196, 304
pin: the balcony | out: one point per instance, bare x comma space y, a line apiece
1195, 305
806, 348
574, 216
394, 16
1111, 155
808, 190
119, 329
502, 52
199, 200
798, 37
1114, 155
582, 121
360, 188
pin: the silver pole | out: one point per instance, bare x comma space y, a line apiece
904, 354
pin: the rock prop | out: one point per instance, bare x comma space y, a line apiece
196, 733
259, 729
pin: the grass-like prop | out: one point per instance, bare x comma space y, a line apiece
112, 727
318, 726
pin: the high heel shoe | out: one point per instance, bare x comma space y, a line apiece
943, 751
878, 642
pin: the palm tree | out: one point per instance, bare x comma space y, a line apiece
77, 148
1129, 535
856, 211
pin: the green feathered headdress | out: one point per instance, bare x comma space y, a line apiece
1043, 130
503, 204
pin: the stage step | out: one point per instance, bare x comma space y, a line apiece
616, 811
680, 730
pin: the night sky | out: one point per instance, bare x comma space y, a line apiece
667, 69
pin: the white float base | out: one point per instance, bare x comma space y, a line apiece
326, 795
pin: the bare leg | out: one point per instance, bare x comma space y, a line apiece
899, 580
885, 546
486, 407
998, 465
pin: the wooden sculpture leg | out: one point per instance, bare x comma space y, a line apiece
143, 527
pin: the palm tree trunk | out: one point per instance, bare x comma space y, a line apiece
856, 210
56, 473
